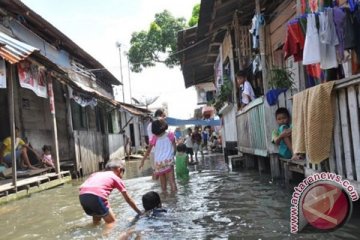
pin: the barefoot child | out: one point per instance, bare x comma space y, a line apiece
95, 191
282, 135
46, 158
181, 162
164, 146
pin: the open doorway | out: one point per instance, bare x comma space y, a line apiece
4, 116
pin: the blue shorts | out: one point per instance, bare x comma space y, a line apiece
8, 161
93, 205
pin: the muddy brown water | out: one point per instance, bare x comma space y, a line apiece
214, 204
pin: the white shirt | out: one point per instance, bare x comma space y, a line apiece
188, 141
247, 91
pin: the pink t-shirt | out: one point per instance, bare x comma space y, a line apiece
102, 183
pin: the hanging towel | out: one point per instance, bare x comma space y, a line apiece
313, 121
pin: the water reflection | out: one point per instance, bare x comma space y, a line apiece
213, 204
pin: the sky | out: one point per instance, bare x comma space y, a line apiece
96, 26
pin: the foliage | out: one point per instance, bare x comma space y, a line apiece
281, 78
195, 16
225, 94
147, 47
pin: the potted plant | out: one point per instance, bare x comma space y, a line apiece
224, 96
281, 78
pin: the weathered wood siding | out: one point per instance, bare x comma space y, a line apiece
345, 159
116, 146
285, 12
88, 151
251, 129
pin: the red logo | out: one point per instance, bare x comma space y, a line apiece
325, 206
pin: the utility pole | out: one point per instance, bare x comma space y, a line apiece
127, 54
118, 45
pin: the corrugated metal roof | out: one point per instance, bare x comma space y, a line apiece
13, 50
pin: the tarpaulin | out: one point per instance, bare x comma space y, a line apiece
180, 122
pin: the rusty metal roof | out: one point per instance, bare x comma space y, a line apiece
52, 35
13, 50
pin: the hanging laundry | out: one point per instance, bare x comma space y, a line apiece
349, 37
257, 21
294, 42
311, 53
256, 64
328, 40
357, 31
273, 94
339, 21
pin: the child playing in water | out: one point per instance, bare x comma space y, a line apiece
282, 135
46, 158
181, 162
152, 203
164, 146
95, 191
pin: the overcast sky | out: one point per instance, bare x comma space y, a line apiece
96, 25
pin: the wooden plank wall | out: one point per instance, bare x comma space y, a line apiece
66, 151
89, 149
345, 158
116, 146
285, 12
251, 129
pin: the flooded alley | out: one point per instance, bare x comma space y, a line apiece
214, 204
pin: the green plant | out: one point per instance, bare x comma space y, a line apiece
281, 78
225, 94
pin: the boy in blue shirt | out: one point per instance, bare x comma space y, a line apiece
282, 135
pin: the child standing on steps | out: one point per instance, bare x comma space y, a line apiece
164, 146
282, 135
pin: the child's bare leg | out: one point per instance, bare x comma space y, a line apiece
163, 182
110, 218
96, 220
172, 182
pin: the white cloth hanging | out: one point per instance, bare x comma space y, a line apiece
328, 40
312, 43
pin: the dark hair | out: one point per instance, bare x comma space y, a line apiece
282, 110
181, 147
46, 148
241, 73
159, 112
159, 126
151, 200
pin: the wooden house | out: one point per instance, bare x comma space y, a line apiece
82, 121
223, 29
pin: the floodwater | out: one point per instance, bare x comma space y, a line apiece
215, 204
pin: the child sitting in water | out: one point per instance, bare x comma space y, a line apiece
95, 191
46, 158
152, 203
181, 162
282, 135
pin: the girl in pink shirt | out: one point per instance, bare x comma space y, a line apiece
164, 146
95, 191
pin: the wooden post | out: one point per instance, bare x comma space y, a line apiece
12, 123
55, 137
262, 48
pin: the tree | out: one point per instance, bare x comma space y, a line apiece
195, 16
149, 47
159, 43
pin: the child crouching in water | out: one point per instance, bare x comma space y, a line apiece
152, 204
164, 146
181, 162
282, 135
95, 191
